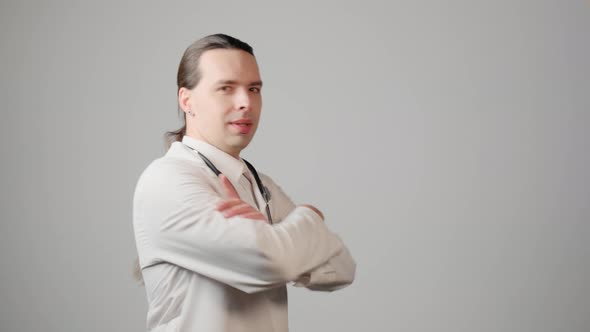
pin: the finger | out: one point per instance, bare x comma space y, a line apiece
224, 205
254, 216
238, 210
315, 210
229, 189
248, 213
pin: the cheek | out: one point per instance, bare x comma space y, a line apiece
258, 109
257, 104
258, 99
222, 106
217, 110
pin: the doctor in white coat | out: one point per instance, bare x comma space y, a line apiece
217, 241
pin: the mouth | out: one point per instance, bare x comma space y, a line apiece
242, 122
242, 126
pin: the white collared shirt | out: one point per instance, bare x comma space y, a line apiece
203, 272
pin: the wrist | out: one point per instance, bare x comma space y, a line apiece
314, 209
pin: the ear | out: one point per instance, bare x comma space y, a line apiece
184, 96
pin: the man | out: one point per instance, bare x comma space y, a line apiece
215, 253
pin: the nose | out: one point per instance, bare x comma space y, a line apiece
243, 100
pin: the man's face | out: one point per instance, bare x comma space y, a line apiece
227, 101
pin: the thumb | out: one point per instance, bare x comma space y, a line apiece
229, 189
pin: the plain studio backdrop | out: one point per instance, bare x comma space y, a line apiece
447, 142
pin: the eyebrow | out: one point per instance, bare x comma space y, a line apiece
232, 82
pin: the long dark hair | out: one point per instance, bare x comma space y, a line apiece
189, 73
188, 77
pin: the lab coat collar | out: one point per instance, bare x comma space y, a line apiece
231, 167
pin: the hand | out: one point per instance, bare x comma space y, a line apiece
314, 209
233, 206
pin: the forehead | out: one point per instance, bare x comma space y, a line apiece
223, 64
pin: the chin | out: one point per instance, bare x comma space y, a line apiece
239, 144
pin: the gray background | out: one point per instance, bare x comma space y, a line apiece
446, 141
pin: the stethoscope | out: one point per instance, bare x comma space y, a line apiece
265, 192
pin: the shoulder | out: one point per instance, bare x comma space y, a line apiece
268, 181
275, 189
176, 167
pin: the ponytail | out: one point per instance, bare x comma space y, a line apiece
174, 136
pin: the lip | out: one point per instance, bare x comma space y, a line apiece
241, 126
242, 121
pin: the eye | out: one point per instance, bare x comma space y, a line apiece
255, 89
225, 88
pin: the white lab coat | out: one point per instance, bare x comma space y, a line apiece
203, 272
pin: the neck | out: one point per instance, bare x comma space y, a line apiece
196, 135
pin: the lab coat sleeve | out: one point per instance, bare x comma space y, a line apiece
338, 272
335, 273
175, 221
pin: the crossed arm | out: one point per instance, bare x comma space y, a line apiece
337, 272
177, 222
